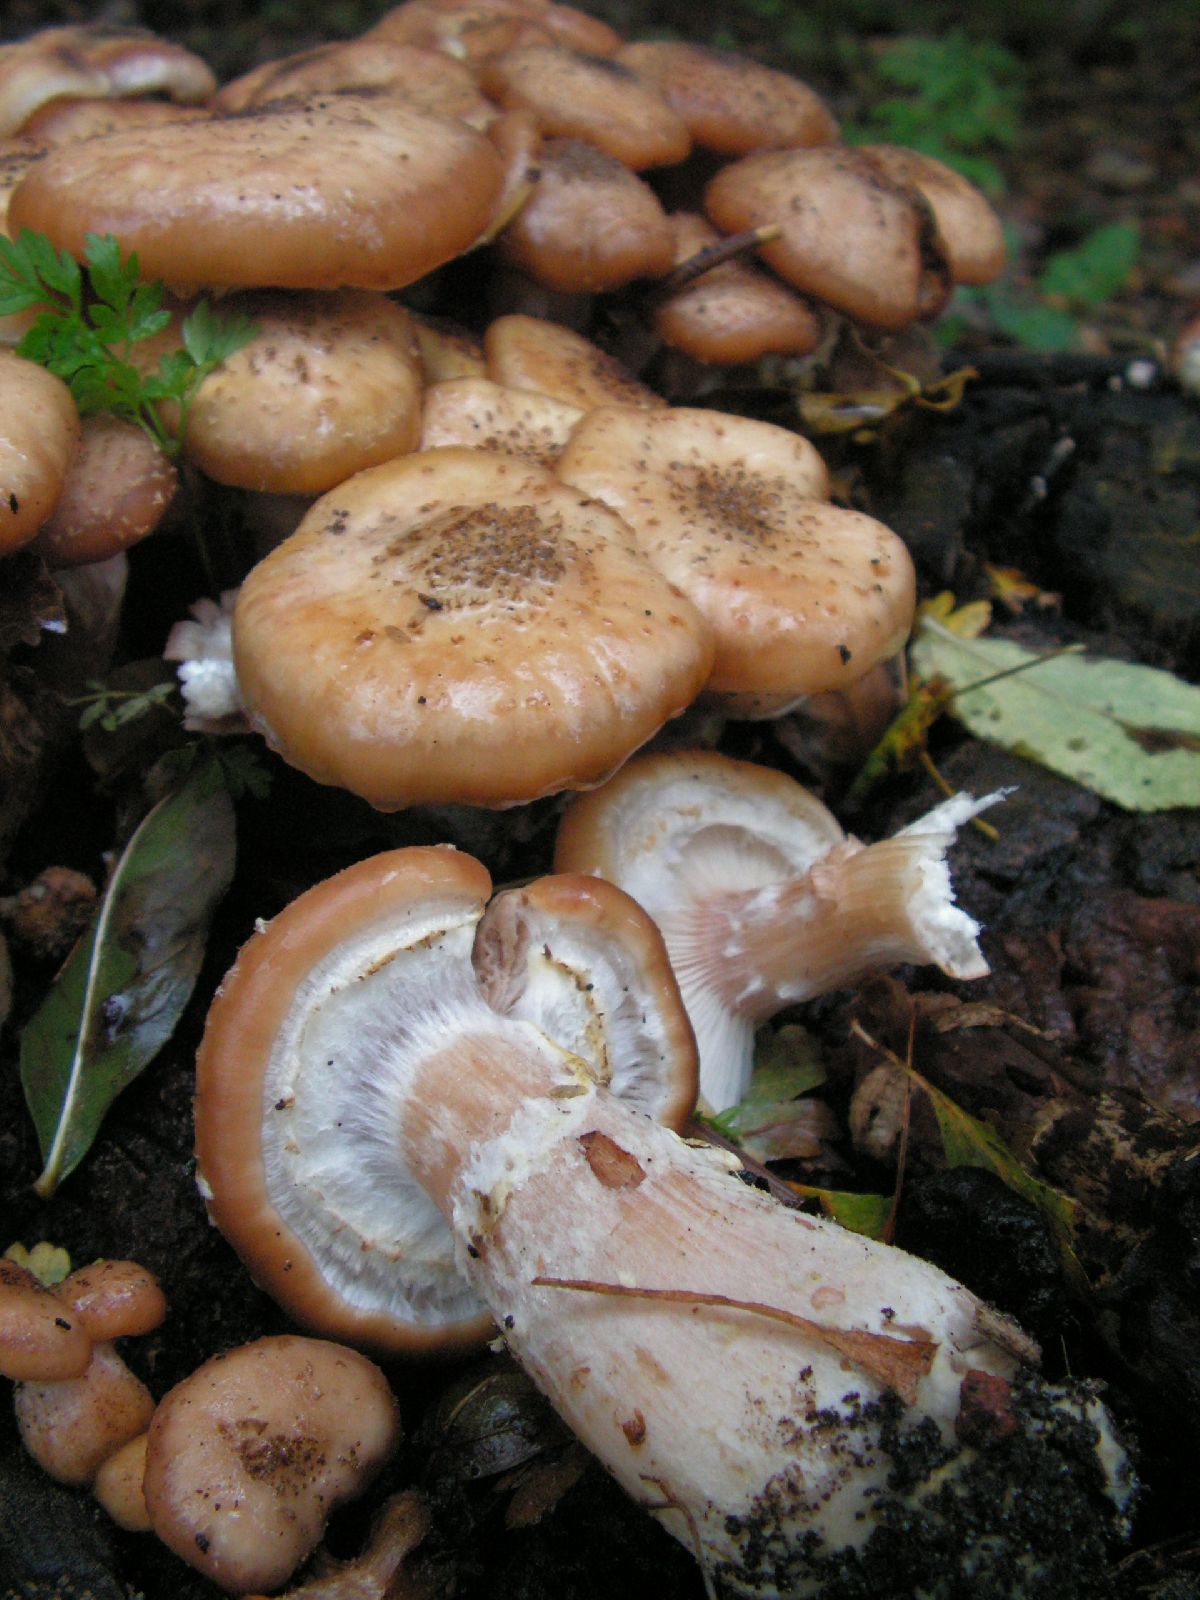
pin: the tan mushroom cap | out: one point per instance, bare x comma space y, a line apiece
117, 491
851, 236
353, 190
17, 155
425, 79
114, 1298
734, 312
330, 384
455, 625
481, 415
970, 230
731, 103
95, 60
591, 225
577, 96
802, 595
526, 352
39, 437
364, 1271
248, 1457
70, 1427
40, 1337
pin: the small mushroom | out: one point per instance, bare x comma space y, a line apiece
114, 1299
473, 29
335, 1229
763, 900
40, 1337
331, 383
850, 235
459, 625
248, 1457
969, 228
39, 439
117, 1485
802, 596
71, 1426
731, 103
590, 226
578, 96
784, 1396
116, 492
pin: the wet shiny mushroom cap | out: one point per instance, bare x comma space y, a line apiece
802, 595
730, 103
733, 312
248, 1457
970, 230
343, 190
850, 234
40, 1336
39, 439
330, 384
577, 96
460, 626
590, 225
116, 492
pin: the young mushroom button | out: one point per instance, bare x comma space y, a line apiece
460, 626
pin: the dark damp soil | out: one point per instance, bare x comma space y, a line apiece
1083, 1046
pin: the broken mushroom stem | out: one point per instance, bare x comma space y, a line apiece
753, 1376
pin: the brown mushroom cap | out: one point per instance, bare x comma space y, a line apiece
40, 1337
970, 230
66, 120
447, 350
330, 384
116, 492
455, 625
248, 1457
577, 96
850, 235
482, 415
70, 1427
345, 190
802, 596
114, 1298
526, 352
591, 225
96, 59
734, 312
731, 103
427, 80
39, 437
473, 29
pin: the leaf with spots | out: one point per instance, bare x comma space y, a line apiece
1128, 732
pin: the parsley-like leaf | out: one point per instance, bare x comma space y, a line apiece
86, 328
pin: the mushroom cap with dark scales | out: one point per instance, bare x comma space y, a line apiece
460, 626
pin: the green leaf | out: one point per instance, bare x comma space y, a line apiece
119, 996
773, 1118
111, 282
1095, 269
1127, 732
967, 1142
860, 1213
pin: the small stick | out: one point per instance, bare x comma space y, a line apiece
715, 255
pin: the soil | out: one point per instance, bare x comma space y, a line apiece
1082, 1048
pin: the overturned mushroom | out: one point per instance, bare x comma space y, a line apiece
791, 1401
458, 625
763, 900
337, 1230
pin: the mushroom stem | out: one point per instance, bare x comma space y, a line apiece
751, 1375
